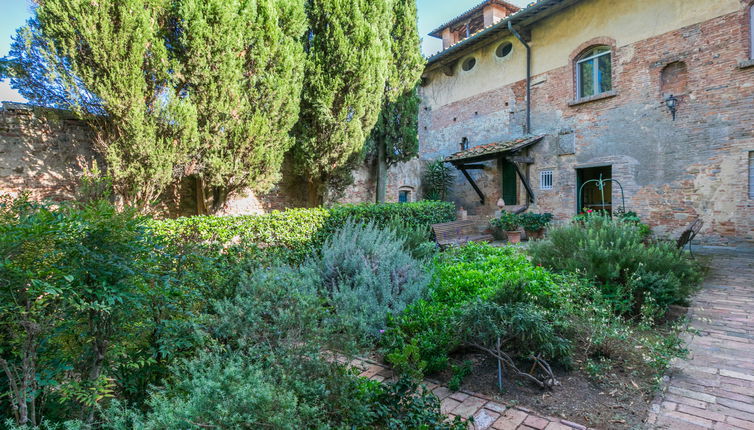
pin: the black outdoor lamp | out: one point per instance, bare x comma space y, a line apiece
672, 103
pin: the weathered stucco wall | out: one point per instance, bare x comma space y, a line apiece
673, 171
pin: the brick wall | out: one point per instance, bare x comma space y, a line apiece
672, 171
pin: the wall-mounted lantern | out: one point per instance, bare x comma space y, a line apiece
672, 103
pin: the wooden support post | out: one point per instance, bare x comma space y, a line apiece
525, 181
473, 184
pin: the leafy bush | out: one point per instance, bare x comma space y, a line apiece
417, 239
295, 233
507, 221
88, 302
266, 367
462, 276
612, 253
437, 180
535, 222
366, 275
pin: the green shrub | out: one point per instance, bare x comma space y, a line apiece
90, 305
613, 253
507, 221
462, 276
417, 239
437, 180
535, 222
295, 233
367, 275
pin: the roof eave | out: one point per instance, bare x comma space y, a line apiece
522, 18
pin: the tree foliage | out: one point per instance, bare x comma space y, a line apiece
171, 88
394, 138
107, 62
175, 88
348, 49
240, 63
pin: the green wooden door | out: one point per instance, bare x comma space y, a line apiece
510, 195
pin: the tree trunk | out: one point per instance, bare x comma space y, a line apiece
381, 170
201, 200
219, 197
314, 192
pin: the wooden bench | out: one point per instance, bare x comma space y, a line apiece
460, 232
689, 234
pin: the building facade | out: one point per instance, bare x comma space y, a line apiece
653, 97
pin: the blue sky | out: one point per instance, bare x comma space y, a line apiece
13, 14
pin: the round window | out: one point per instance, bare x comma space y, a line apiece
504, 49
468, 64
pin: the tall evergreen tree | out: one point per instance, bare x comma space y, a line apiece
106, 61
172, 87
394, 139
348, 52
240, 64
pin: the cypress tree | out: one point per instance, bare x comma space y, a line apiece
172, 87
347, 62
240, 64
394, 138
106, 61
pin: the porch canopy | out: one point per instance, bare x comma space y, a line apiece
465, 160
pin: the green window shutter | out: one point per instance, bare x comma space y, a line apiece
509, 183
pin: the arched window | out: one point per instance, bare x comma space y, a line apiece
594, 72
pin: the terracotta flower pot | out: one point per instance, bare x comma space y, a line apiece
535, 234
513, 236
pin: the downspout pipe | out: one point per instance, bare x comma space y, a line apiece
528, 75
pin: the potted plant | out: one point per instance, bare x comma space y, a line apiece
534, 224
509, 223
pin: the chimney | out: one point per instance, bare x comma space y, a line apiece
493, 14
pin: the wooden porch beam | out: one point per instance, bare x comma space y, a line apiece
525, 181
473, 184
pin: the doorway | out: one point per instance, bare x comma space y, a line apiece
592, 197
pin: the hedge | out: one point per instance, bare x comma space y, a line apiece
298, 228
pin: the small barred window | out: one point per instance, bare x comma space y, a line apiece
545, 180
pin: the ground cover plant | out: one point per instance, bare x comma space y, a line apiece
582, 316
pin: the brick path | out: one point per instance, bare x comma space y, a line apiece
714, 387
487, 413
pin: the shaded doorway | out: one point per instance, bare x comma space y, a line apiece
591, 196
509, 182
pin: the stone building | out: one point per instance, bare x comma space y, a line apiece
655, 97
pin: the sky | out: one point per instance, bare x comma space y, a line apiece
432, 13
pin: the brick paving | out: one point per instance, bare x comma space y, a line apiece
714, 387
487, 414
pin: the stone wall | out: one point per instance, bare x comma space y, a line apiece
42, 152
672, 171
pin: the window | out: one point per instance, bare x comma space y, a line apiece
504, 49
404, 196
545, 180
594, 72
468, 64
751, 175
464, 143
